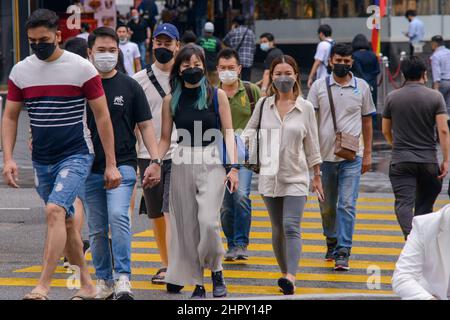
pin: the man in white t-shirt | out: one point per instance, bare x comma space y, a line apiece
155, 82
130, 50
319, 69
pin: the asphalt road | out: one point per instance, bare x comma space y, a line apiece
378, 241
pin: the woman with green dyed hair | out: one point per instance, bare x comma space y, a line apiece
198, 178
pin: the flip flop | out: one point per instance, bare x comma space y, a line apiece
286, 285
157, 278
35, 296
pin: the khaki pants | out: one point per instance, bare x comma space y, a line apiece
196, 195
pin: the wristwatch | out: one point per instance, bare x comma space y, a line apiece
319, 174
157, 161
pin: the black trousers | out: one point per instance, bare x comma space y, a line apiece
416, 188
246, 74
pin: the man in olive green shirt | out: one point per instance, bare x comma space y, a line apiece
237, 207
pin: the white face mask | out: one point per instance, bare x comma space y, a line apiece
228, 77
105, 61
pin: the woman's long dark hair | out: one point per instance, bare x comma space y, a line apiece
176, 81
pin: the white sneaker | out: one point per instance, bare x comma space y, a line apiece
104, 292
122, 288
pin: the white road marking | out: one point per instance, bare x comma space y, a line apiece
17, 209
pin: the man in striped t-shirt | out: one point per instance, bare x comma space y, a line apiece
54, 84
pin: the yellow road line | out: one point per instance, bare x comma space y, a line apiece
237, 274
241, 289
270, 261
360, 200
318, 225
316, 215
305, 236
358, 206
305, 248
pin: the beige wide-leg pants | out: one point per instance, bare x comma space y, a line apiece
196, 194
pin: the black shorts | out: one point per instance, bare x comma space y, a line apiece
155, 201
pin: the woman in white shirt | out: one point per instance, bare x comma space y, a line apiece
289, 132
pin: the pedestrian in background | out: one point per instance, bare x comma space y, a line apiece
197, 187
188, 37
267, 44
62, 148
84, 31
320, 67
200, 9
211, 45
440, 67
344, 107
285, 191
366, 64
155, 82
78, 46
149, 11
411, 115
416, 30
236, 212
130, 50
141, 34
242, 39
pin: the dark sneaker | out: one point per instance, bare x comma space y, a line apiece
241, 253
342, 257
231, 254
329, 256
219, 287
286, 286
199, 292
173, 288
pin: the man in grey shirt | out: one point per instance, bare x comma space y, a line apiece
410, 118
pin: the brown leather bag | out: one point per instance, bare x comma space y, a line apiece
346, 145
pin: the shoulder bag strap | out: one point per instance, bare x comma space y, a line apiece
152, 78
330, 98
261, 108
242, 40
251, 97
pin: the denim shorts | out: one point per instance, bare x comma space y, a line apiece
61, 182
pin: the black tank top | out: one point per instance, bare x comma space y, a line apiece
187, 113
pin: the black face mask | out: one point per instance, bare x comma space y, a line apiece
341, 69
163, 55
192, 75
43, 50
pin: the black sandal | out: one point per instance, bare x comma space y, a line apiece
286, 286
158, 278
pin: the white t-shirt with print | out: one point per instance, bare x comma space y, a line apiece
130, 52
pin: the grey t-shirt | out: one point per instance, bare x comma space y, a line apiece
412, 110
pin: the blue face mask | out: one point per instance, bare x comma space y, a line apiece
264, 46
